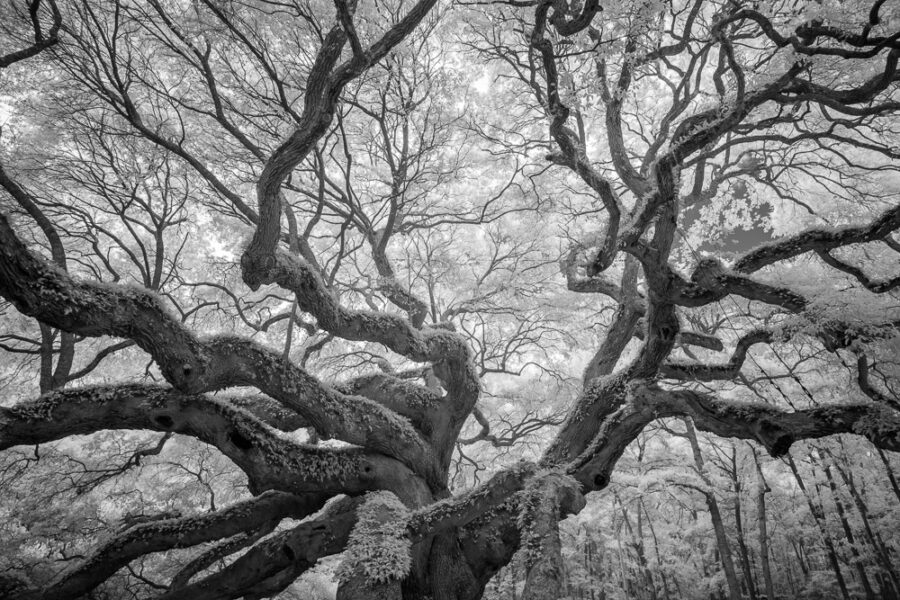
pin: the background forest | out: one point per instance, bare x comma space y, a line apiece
511, 299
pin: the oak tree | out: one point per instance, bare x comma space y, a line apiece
317, 217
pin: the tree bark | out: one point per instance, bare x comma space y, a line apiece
848, 533
762, 488
819, 519
739, 525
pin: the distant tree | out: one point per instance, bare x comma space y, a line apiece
371, 222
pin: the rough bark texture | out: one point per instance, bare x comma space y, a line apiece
385, 499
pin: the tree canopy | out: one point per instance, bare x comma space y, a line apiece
407, 280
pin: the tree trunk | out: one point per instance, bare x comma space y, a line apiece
848, 532
659, 563
890, 472
734, 591
739, 526
762, 488
637, 544
892, 587
820, 522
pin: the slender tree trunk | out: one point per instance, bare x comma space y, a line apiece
55, 378
739, 526
659, 563
762, 488
734, 590
789, 571
877, 545
801, 556
848, 532
637, 542
46, 376
820, 522
890, 472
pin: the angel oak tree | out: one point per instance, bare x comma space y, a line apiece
337, 134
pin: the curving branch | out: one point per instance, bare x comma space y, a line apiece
272, 413
572, 151
42, 290
776, 429
324, 86
274, 563
819, 239
77, 580
862, 378
729, 370
877, 287
447, 350
219, 552
461, 510
712, 281
421, 405
270, 462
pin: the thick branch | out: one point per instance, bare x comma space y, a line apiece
270, 461
729, 370
774, 428
712, 281
324, 86
277, 560
158, 536
818, 240
41, 290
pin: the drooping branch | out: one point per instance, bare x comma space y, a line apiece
397, 333
712, 281
877, 287
805, 35
158, 536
